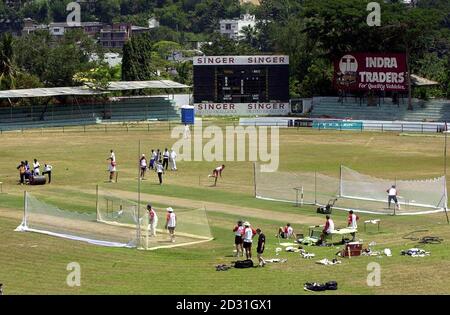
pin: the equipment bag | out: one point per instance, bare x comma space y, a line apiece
315, 286
324, 210
248, 263
331, 285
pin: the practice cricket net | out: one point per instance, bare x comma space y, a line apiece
192, 225
352, 190
42, 217
117, 222
295, 187
427, 195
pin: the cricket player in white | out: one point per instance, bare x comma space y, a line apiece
171, 223
112, 156
36, 168
172, 160
352, 223
392, 196
153, 219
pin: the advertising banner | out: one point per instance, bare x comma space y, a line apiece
241, 109
371, 72
241, 60
338, 125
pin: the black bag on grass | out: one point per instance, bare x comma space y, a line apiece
248, 263
315, 286
331, 285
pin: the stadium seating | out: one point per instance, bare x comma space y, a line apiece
119, 110
434, 110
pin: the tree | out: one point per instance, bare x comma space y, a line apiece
107, 10
222, 46
250, 36
98, 78
37, 10
137, 62
57, 9
55, 63
7, 71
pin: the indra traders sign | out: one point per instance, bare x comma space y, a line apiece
241, 109
371, 71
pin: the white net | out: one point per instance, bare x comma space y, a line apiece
117, 222
295, 187
192, 225
353, 191
423, 196
43, 217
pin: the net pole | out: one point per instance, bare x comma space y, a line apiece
446, 198
340, 180
139, 196
254, 178
25, 206
96, 202
315, 187
445, 155
301, 200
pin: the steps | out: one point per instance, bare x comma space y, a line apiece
434, 110
123, 109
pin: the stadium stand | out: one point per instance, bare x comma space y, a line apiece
117, 110
351, 108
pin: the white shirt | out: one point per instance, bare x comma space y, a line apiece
48, 168
331, 226
173, 155
143, 163
113, 156
392, 191
171, 220
154, 155
239, 231
248, 235
289, 231
153, 217
166, 154
159, 168
353, 224
36, 167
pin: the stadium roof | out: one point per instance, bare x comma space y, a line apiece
84, 90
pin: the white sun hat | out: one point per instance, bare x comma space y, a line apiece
170, 209
246, 223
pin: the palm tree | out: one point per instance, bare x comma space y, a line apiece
249, 35
7, 71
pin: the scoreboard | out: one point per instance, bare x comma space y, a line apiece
240, 85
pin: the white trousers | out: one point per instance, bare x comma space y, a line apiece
152, 227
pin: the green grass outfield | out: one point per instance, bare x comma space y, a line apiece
36, 264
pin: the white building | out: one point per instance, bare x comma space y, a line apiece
112, 59
153, 23
233, 28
